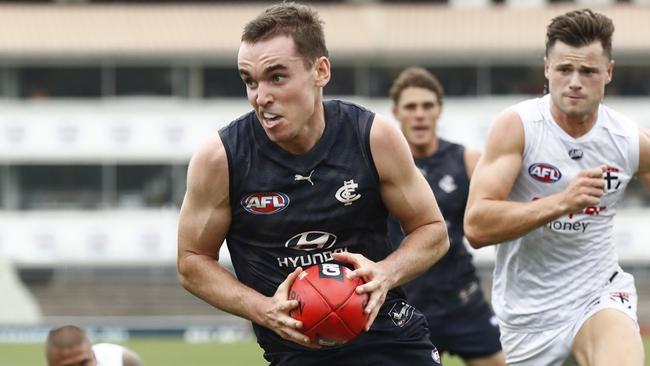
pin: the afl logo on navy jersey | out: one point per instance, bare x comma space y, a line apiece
545, 173
311, 240
265, 203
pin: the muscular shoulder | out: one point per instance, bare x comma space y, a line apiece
208, 169
388, 146
506, 133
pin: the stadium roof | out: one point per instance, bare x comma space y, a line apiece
353, 31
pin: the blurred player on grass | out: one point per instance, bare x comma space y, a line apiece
300, 181
68, 345
460, 320
546, 191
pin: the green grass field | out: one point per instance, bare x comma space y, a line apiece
174, 352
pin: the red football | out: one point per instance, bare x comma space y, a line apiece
329, 308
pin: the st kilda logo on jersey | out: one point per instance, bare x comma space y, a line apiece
265, 203
544, 172
612, 181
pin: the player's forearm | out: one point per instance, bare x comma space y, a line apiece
208, 280
419, 250
489, 222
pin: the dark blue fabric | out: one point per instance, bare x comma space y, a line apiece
449, 294
316, 203
446, 168
469, 331
390, 342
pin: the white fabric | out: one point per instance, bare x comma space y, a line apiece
553, 347
541, 279
108, 354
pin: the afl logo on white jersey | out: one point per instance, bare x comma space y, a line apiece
545, 173
265, 203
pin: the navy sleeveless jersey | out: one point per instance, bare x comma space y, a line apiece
447, 175
296, 210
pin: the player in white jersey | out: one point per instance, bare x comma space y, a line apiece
68, 345
546, 191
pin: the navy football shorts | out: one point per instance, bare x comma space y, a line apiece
399, 336
470, 331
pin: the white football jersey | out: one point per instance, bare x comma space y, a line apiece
108, 354
540, 278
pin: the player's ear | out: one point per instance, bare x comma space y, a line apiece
546, 66
610, 71
322, 71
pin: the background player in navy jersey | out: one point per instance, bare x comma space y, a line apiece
300, 181
461, 322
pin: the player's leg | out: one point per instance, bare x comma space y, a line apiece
608, 333
609, 337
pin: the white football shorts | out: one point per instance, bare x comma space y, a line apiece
553, 347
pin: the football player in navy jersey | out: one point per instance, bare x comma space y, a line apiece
448, 294
300, 181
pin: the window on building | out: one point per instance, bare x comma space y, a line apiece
342, 81
144, 81
59, 186
629, 81
505, 80
457, 81
222, 82
144, 186
45, 82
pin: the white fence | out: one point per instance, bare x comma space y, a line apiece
170, 130
149, 237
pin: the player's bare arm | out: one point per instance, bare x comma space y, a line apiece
408, 197
490, 218
644, 157
203, 225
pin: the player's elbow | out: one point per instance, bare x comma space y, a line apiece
184, 269
475, 234
476, 241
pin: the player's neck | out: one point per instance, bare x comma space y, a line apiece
309, 135
422, 151
575, 126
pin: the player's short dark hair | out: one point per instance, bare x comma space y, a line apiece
298, 21
66, 336
580, 28
416, 77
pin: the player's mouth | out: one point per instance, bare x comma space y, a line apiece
270, 119
420, 129
575, 97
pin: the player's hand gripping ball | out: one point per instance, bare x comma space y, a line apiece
329, 308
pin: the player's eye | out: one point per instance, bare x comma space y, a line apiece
250, 83
278, 78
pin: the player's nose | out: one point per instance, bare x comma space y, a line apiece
263, 96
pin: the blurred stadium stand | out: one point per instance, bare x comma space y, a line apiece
103, 103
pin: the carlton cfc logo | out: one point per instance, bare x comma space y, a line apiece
543, 172
265, 203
